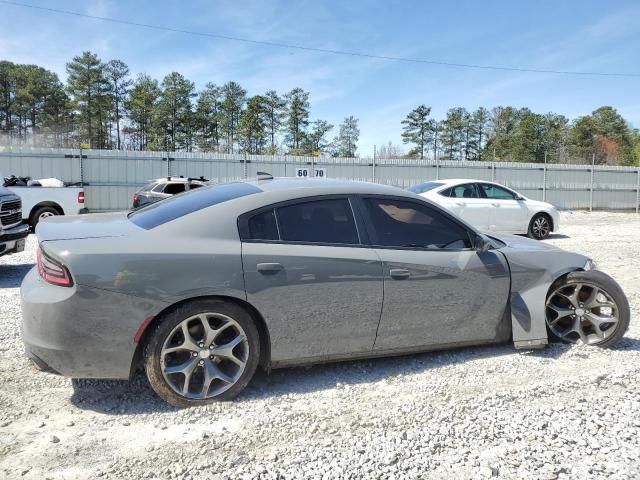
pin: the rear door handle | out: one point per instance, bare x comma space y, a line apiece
462, 204
399, 273
496, 204
268, 268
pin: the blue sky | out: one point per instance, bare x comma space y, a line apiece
581, 35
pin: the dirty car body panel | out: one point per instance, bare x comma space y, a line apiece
315, 300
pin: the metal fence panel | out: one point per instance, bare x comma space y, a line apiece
113, 176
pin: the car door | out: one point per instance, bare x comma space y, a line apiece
307, 272
468, 204
438, 290
508, 214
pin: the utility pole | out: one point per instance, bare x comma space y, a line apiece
373, 165
593, 166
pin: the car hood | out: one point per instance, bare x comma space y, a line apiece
94, 225
518, 243
539, 204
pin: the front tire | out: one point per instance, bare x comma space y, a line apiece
201, 352
588, 308
540, 226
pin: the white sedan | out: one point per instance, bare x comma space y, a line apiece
492, 207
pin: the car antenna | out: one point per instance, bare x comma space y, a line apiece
264, 176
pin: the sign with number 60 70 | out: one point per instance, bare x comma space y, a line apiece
304, 172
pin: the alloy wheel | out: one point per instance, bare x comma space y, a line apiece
582, 312
46, 214
204, 355
541, 226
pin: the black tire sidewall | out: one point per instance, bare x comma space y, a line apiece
36, 215
533, 219
169, 321
609, 285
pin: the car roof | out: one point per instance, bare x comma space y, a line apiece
326, 186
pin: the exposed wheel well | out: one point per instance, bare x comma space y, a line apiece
263, 331
40, 205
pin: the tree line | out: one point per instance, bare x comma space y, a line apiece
520, 135
103, 106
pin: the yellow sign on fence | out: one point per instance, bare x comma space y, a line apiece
84, 146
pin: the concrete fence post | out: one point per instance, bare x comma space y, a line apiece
591, 192
544, 183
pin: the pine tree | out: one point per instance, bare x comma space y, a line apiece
416, 128
297, 101
233, 100
347, 139
117, 73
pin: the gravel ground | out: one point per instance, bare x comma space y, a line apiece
562, 412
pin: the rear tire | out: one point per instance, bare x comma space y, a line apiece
540, 226
598, 313
189, 364
42, 213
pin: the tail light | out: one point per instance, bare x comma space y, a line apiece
80, 197
136, 200
53, 271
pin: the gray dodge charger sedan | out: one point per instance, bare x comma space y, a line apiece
203, 287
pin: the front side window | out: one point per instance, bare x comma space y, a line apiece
318, 221
496, 193
400, 223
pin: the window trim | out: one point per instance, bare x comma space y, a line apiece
472, 234
243, 222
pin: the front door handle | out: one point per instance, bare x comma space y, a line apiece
461, 204
496, 204
269, 268
399, 273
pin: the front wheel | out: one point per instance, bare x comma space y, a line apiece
539, 226
588, 308
204, 351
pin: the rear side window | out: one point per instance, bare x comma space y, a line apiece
262, 226
319, 221
399, 223
178, 206
468, 190
174, 188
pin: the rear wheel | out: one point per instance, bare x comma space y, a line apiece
204, 351
540, 226
42, 213
588, 308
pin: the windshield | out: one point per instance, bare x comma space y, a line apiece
424, 187
183, 204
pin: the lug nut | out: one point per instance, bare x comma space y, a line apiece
201, 362
211, 357
211, 347
194, 354
201, 345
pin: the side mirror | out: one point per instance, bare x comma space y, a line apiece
483, 244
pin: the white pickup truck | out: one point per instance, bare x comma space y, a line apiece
41, 202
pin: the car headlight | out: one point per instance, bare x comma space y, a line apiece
590, 265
